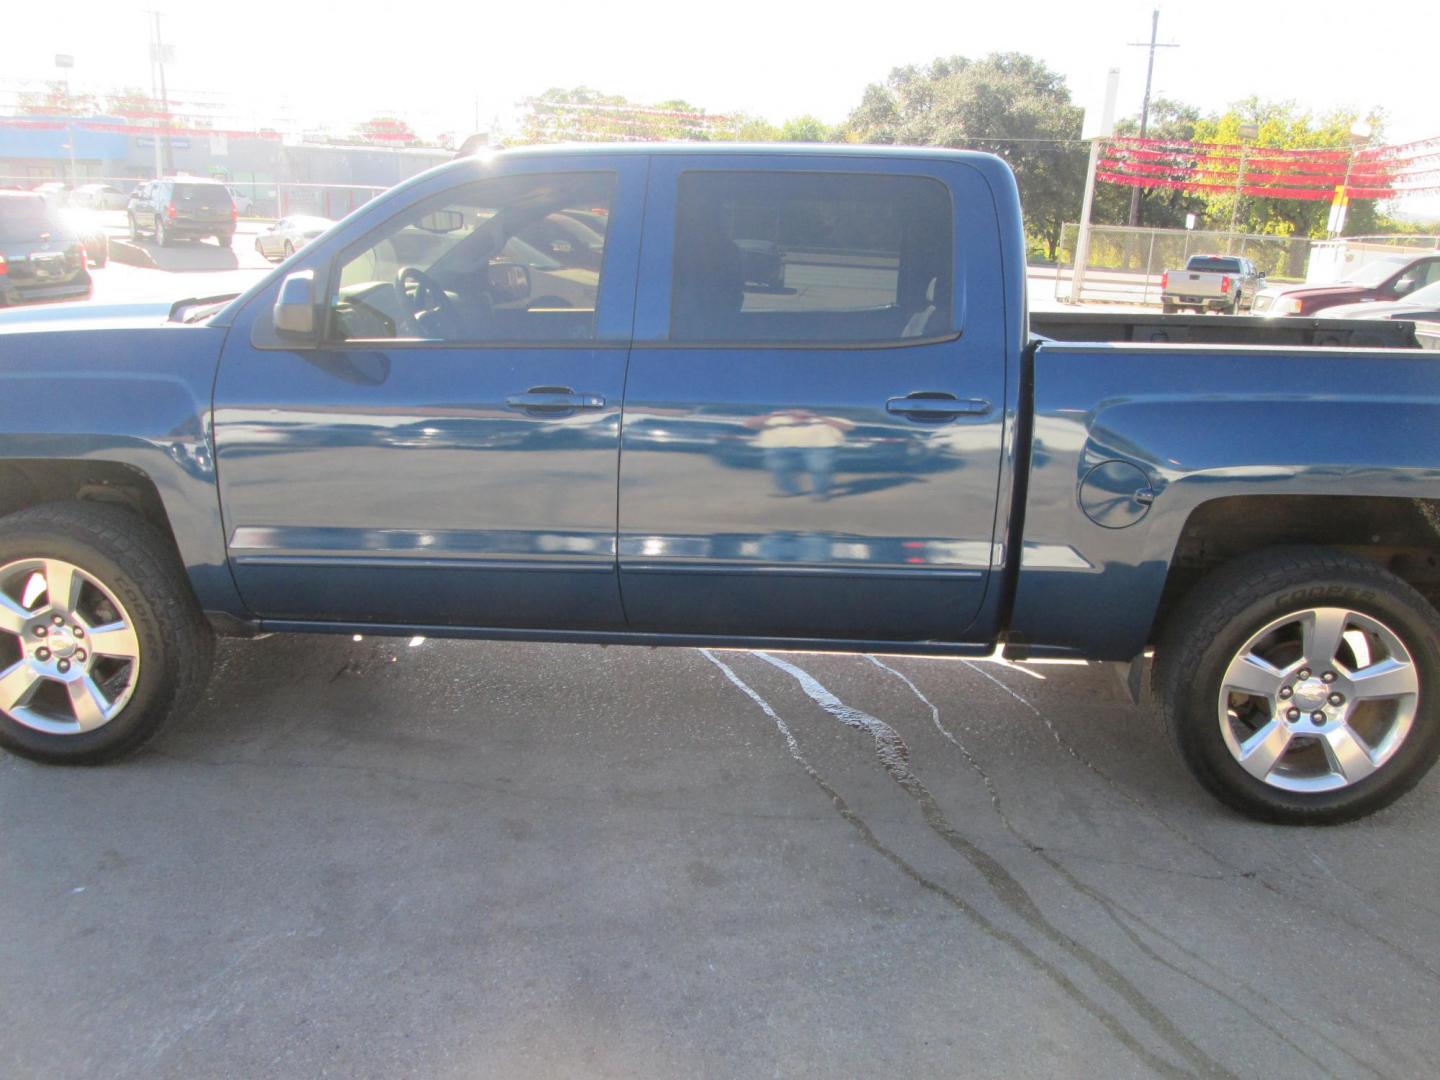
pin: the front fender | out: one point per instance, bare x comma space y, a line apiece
137, 397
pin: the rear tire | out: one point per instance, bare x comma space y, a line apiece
128, 603
1168, 308
161, 236
1255, 716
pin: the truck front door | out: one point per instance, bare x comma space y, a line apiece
447, 454
814, 409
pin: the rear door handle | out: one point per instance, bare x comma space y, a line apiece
936, 405
553, 399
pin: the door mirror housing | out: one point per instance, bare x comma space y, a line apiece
294, 313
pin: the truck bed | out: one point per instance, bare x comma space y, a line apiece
1227, 330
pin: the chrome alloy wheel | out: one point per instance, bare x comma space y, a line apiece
1318, 700
69, 653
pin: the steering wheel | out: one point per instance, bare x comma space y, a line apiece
430, 307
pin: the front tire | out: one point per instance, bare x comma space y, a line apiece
92, 671
1302, 686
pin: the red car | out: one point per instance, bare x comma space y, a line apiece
1388, 278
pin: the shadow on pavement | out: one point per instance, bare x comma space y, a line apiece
185, 256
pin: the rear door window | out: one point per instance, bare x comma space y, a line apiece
795, 257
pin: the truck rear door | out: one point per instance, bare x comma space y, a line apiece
813, 416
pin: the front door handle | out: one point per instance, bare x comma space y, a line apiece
554, 399
936, 405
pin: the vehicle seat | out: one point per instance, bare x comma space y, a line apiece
709, 285
919, 323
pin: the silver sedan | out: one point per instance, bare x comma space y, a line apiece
289, 235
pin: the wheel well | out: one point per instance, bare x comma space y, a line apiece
32, 482
1402, 535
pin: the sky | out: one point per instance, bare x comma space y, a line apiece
440, 64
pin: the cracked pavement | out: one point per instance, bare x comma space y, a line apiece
380, 858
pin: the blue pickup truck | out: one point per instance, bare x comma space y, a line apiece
758, 397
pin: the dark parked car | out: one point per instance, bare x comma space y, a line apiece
40, 257
1389, 278
182, 208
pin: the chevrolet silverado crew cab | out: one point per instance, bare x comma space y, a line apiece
1210, 283
450, 415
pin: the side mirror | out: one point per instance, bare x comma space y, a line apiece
295, 307
1261, 275
1404, 285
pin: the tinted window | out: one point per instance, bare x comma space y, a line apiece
1213, 265
200, 193
500, 260
774, 256
25, 219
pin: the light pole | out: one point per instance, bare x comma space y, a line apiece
1247, 133
1096, 127
64, 61
1360, 133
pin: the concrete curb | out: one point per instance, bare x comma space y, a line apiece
123, 251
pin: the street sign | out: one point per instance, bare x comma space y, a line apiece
64, 60
147, 142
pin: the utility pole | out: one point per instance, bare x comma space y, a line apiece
65, 62
1152, 45
157, 60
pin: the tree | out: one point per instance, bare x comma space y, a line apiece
1284, 125
586, 115
55, 100
1164, 208
1008, 104
387, 131
134, 103
804, 129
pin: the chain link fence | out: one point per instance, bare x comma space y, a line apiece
1125, 264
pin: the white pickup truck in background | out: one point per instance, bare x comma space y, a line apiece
1223, 283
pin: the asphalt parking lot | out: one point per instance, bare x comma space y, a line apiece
385, 857
394, 858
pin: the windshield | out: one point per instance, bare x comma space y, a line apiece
1373, 273
25, 219
1429, 295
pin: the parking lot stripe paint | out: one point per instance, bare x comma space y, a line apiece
1123, 918
1022, 949
894, 755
